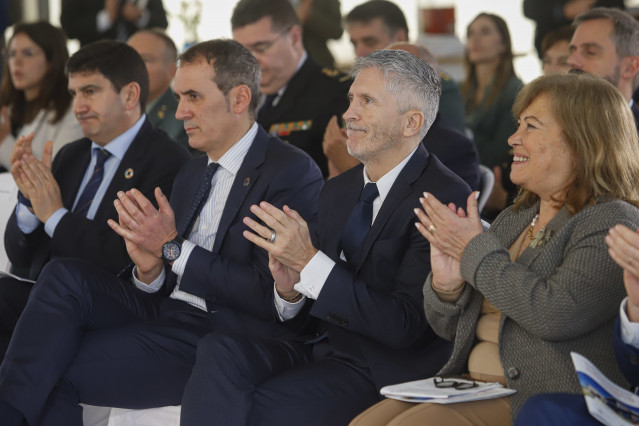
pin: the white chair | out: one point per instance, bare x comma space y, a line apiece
105, 416
487, 184
8, 198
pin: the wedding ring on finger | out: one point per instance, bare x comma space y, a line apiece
432, 228
272, 239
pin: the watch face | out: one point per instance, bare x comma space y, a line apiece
171, 251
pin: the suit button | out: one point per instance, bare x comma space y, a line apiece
512, 373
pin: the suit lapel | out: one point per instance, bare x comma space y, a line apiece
402, 188
75, 176
246, 177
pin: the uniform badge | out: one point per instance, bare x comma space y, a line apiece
128, 173
285, 129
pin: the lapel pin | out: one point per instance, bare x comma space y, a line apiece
247, 181
128, 173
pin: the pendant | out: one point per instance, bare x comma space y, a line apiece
542, 237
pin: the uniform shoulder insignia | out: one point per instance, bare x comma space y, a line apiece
330, 72
344, 78
444, 76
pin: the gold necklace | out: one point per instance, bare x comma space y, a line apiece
531, 230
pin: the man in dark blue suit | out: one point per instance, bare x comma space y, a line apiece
129, 341
567, 409
358, 285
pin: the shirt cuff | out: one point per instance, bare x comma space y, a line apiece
314, 275
179, 265
148, 288
102, 21
54, 219
629, 330
287, 310
27, 221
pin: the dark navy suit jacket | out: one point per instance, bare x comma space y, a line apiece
153, 159
371, 308
455, 150
234, 278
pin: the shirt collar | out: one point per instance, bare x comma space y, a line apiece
232, 159
385, 183
118, 146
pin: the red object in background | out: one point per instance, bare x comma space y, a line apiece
438, 20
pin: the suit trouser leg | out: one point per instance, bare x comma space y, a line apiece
70, 297
140, 365
13, 298
227, 370
241, 380
555, 409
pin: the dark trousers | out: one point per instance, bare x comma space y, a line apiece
87, 336
13, 298
242, 380
555, 409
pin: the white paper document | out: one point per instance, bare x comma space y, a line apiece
612, 405
426, 391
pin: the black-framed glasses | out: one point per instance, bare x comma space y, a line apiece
443, 383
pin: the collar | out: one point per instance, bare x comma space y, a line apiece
118, 146
233, 158
385, 183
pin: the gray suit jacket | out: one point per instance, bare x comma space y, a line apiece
556, 298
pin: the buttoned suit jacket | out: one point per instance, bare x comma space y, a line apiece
315, 95
558, 297
234, 278
152, 160
455, 150
371, 307
78, 19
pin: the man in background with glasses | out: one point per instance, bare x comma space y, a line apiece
298, 97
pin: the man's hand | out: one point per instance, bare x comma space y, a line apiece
285, 278
292, 246
148, 265
21, 147
335, 149
38, 184
141, 223
623, 247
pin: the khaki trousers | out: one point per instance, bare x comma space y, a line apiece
390, 412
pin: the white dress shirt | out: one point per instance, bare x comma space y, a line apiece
629, 330
205, 228
316, 272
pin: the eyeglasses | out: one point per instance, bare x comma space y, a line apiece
261, 47
443, 383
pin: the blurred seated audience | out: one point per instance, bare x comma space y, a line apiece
517, 299
555, 50
321, 21
159, 55
33, 93
93, 20
489, 90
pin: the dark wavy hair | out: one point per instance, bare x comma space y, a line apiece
54, 94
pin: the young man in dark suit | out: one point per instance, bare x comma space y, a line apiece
358, 275
299, 97
130, 341
63, 208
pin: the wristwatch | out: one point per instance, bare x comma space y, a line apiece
171, 249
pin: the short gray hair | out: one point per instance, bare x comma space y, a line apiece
626, 28
414, 83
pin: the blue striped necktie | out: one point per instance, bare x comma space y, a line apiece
200, 198
86, 198
360, 221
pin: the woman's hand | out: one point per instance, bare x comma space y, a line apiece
447, 229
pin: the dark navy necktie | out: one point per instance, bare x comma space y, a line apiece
360, 221
200, 198
86, 198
